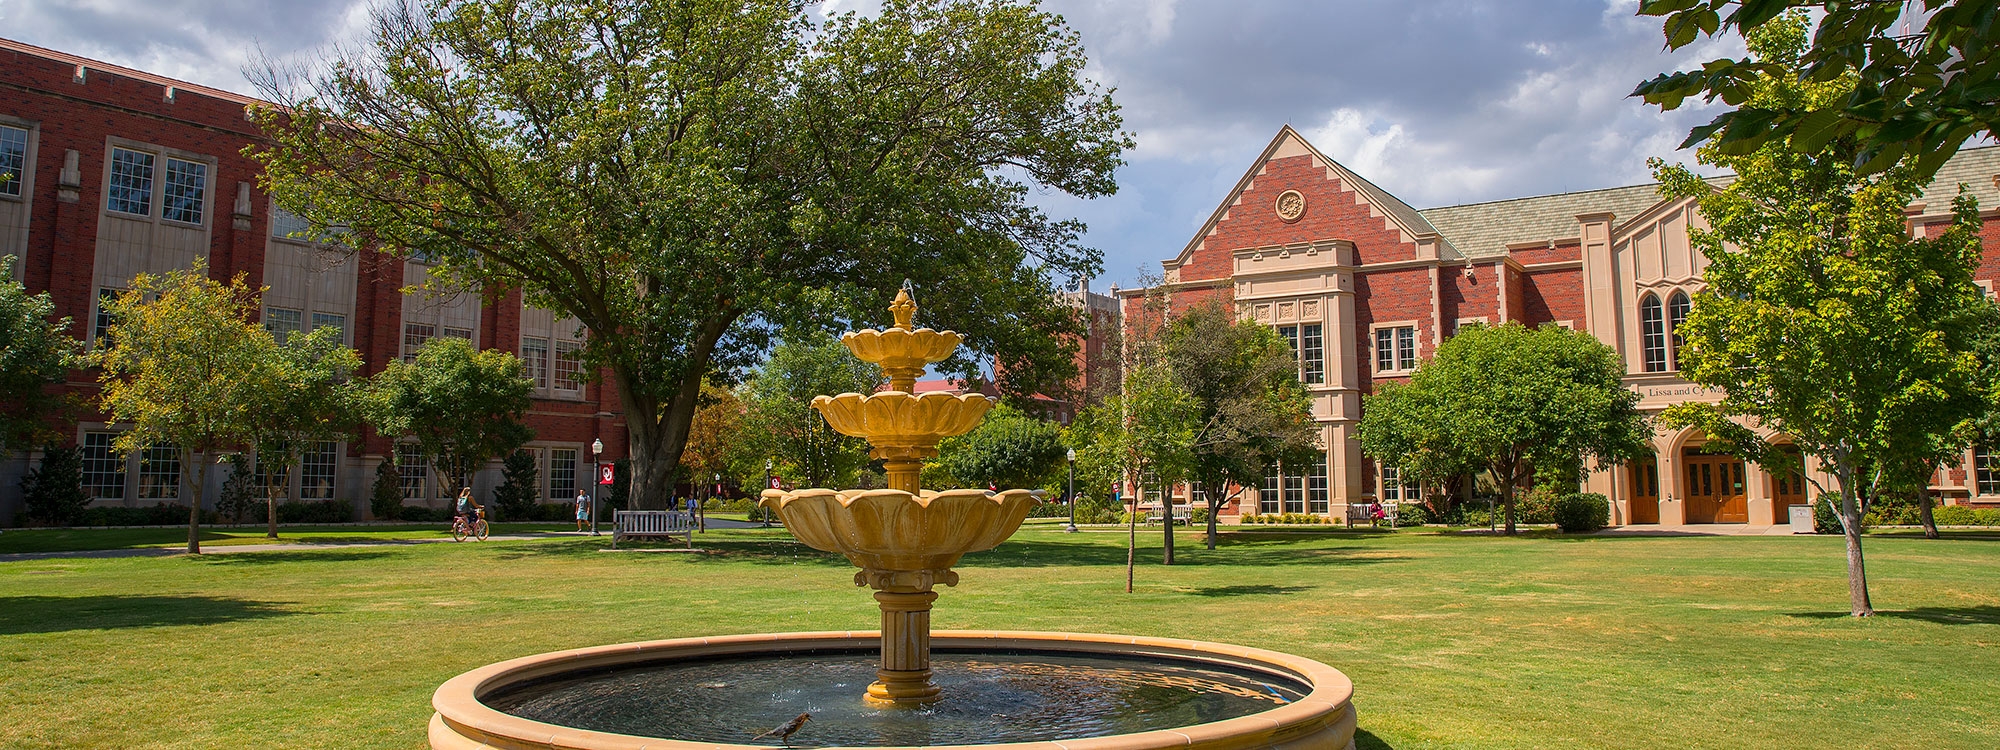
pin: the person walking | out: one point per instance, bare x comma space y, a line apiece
582, 509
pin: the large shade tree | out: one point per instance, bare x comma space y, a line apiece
1925, 78
35, 352
1008, 449
780, 424
463, 406
685, 177
309, 398
1824, 318
1509, 400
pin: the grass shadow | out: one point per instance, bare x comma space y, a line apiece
1246, 590
1981, 615
56, 614
256, 557
1364, 740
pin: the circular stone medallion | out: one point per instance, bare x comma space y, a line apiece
1291, 205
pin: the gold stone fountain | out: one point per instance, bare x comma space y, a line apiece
905, 539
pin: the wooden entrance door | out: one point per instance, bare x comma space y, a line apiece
1645, 490
1787, 490
1715, 488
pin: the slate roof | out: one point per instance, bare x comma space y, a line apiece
1485, 229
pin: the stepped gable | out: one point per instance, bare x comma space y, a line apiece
1339, 205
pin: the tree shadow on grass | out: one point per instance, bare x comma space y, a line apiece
57, 614
1028, 552
249, 557
1246, 590
1981, 615
1363, 740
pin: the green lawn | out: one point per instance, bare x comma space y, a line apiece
1452, 640
67, 540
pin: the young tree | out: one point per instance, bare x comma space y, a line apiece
1507, 399
185, 364
1824, 319
1250, 410
35, 352
713, 437
309, 398
463, 406
1915, 97
52, 492
1008, 449
685, 178
780, 424
520, 487
385, 495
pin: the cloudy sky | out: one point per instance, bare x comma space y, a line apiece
1438, 101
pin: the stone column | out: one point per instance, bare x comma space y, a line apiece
905, 597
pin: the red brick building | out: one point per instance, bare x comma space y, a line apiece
119, 172
1367, 286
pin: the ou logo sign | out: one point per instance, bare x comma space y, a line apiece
605, 471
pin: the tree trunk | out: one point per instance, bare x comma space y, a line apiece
1924, 515
270, 515
194, 503
1214, 505
1167, 523
1131, 542
1851, 521
1507, 500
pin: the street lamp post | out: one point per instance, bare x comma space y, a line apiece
596, 459
765, 513
1072, 492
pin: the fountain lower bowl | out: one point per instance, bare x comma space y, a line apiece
1323, 717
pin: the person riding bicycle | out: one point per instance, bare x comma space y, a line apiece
467, 507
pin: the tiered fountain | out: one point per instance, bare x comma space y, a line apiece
1026, 690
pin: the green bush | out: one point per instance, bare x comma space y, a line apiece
1198, 516
239, 492
1826, 520
52, 493
1283, 518
1959, 515
316, 511
385, 498
160, 514
519, 489
421, 514
1413, 514
1537, 505
1582, 512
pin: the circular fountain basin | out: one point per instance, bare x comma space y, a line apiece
1021, 690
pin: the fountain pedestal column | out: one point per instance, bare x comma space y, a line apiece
905, 597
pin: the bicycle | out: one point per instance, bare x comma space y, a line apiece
460, 528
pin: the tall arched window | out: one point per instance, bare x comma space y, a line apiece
1677, 313
1652, 334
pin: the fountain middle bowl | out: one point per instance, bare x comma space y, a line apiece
1310, 704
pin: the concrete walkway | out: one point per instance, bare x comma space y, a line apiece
221, 549
1698, 529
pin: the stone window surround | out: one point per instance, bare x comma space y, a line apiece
27, 176
156, 213
1416, 343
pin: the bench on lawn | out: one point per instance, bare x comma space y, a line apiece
1183, 515
1361, 512
652, 524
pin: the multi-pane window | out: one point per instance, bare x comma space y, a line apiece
131, 188
331, 320
13, 159
159, 473
1267, 496
414, 468
457, 333
1312, 354
282, 322
1295, 493
1652, 334
102, 323
103, 467
535, 359
1396, 488
1149, 486
1677, 313
415, 335
1316, 488
1396, 349
562, 475
1986, 470
569, 365
317, 465
185, 192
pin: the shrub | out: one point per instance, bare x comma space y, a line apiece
519, 491
1413, 514
1537, 505
1581, 512
1198, 516
160, 514
1959, 515
316, 511
1050, 508
239, 491
385, 499
1826, 520
421, 514
1283, 518
52, 493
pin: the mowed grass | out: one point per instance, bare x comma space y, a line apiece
1452, 640
68, 540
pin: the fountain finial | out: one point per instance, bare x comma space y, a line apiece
905, 307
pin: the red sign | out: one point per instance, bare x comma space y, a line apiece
777, 482
605, 472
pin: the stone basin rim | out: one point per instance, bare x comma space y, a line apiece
1323, 718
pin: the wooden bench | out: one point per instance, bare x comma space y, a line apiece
1360, 512
1183, 514
652, 524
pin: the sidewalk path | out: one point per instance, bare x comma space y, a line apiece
217, 549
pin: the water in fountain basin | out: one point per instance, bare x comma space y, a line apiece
987, 698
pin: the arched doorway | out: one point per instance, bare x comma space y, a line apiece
1717, 490
1788, 489
1645, 490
